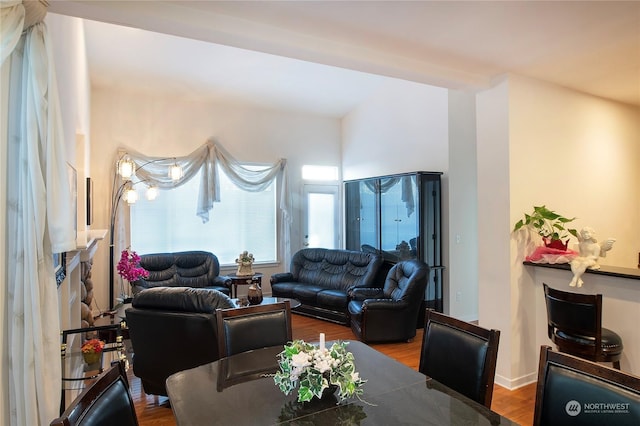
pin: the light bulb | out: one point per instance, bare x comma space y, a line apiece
130, 196
126, 168
175, 172
152, 193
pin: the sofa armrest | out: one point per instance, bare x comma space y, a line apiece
363, 293
281, 277
222, 281
384, 304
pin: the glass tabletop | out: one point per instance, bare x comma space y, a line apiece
243, 301
78, 374
393, 394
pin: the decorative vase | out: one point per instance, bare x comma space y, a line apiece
91, 357
555, 244
254, 294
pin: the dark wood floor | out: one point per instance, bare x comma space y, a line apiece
516, 405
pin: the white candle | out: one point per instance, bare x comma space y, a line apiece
321, 341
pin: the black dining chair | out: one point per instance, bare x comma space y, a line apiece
253, 327
574, 324
106, 402
575, 391
460, 355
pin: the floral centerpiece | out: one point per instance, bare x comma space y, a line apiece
91, 350
129, 266
315, 369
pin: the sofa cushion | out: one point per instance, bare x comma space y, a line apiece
284, 289
307, 293
332, 299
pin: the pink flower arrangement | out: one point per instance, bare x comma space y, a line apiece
128, 266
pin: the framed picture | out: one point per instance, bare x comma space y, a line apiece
72, 175
89, 201
60, 267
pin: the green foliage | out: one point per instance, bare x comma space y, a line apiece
547, 224
314, 370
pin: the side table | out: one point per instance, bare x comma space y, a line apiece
76, 374
243, 280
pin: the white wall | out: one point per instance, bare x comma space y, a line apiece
542, 144
67, 34
461, 297
162, 126
401, 128
579, 155
495, 291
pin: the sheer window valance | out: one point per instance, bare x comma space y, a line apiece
207, 158
153, 171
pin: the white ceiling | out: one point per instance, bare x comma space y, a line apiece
320, 56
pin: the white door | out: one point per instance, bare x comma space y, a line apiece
321, 216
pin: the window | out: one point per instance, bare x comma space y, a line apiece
241, 221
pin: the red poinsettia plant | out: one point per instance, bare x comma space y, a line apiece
129, 266
93, 346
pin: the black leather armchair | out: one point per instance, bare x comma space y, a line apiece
390, 313
173, 329
197, 269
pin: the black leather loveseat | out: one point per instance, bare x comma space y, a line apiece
321, 280
196, 269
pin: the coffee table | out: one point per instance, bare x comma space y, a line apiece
242, 302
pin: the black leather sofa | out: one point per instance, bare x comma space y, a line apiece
321, 280
196, 269
173, 329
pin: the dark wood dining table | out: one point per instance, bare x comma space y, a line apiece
239, 391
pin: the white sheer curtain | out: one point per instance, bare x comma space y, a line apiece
153, 171
38, 219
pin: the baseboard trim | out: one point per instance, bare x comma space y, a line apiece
513, 384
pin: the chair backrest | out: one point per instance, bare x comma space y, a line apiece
575, 314
460, 355
173, 329
406, 281
105, 402
573, 390
253, 327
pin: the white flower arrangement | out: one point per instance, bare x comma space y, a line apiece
315, 369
